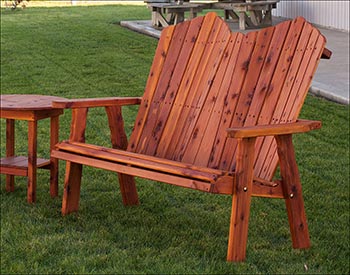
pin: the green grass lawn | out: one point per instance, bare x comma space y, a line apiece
83, 52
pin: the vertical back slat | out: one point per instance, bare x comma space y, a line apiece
156, 68
204, 79
204, 84
283, 66
165, 146
255, 66
186, 109
238, 76
203, 134
292, 107
149, 138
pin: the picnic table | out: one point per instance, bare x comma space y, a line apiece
248, 13
165, 14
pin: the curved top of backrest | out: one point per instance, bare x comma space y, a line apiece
205, 79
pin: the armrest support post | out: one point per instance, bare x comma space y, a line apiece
116, 125
241, 198
78, 125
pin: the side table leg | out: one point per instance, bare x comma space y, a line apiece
10, 151
53, 161
32, 160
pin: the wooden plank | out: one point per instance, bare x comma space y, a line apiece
54, 136
254, 68
202, 138
71, 190
64, 145
198, 116
78, 124
96, 102
300, 126
261, 89
189, 98
291, 112
72, 181
246, 46
326, 54
267, 72
146, 163
238, 233
166, 144
260, 189
13, 171
20, 102
275, 89
293, 192
174, 87
119, 141
295, 82
152, 82
32, 160
21, 162
135, 171
10, 151
116, 126
174, 66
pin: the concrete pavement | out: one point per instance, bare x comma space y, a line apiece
331, 80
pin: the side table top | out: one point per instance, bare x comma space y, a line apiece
27, 102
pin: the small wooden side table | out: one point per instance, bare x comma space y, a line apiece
30, 108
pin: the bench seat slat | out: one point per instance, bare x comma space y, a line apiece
148, 162
135, 171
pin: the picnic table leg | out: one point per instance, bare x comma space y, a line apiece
242, 16
241, 199
292, 192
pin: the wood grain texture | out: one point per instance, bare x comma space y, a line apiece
217, 115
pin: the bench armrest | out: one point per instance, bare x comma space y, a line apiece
300, 126
96, 102
326, 54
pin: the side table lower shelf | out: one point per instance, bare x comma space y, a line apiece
18, 165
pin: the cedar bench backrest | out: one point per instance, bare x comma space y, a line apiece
205, 79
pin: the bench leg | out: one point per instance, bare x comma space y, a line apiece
128, 189
241, 199
292, 192
71, 192
119, 141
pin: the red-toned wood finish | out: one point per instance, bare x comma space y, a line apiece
217, 115
31, 108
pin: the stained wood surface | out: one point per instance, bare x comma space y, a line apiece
300, 126
203, 83
217, 115
95, 102
27, 102
31, 108
207, 87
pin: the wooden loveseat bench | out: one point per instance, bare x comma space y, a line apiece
217, 115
